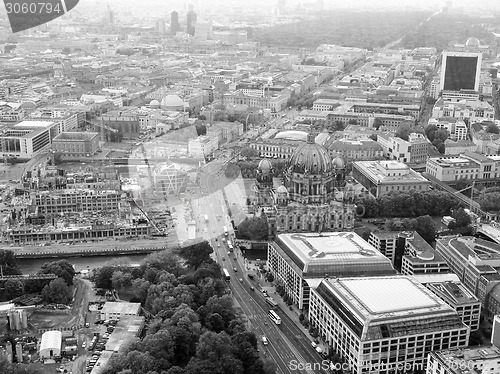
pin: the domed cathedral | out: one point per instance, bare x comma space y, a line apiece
311, 197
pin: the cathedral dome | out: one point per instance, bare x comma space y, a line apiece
472, 42
311, 158
338, 163
265, 166
172, 101
282, 189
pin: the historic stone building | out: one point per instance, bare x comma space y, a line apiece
313, 196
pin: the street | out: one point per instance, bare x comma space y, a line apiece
287, 343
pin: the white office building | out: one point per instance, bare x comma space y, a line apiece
381, 324
301, 261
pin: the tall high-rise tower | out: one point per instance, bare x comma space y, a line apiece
460, 71
174, 23
191, 21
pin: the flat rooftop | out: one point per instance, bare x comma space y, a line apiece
387, 295
454, 292
33, 125
340, 253
76, 136
389, 172
469, 246
124, 308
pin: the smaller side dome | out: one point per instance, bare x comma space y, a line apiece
282, 190
472, 42
265, 166
338, 163
154, 103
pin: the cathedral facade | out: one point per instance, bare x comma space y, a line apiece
313, 195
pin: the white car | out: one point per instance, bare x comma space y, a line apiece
84, 344
264, 340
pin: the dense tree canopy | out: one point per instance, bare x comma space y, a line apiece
62, 268
8, 262
255, 228
197, 254
492, 128
408, 204
423, 225
354, 29
193, 327
57, 291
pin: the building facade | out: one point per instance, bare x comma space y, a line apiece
75, 144
27, 139
382, 177
314, 196
460, 299
300, 261
379, 324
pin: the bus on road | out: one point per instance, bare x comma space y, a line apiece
271, 302
226, 233
274, 317
226, 274
230, 245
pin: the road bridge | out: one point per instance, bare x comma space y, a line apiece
28, 277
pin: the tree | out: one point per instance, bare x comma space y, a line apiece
164, 260
120, 280
462, 219
62, 268
377, 123
255, 228
102, 277
492, 129
57, 291
270, 277
201, 129
430, 132
8, 262
196, 254
426, 228
373, 137
249, 152
403, 132
13, 288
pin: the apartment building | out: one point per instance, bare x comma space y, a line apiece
415, 150
202, 146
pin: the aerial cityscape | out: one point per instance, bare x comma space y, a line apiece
267, 187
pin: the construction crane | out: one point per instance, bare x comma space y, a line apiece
150, 172
102, 127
